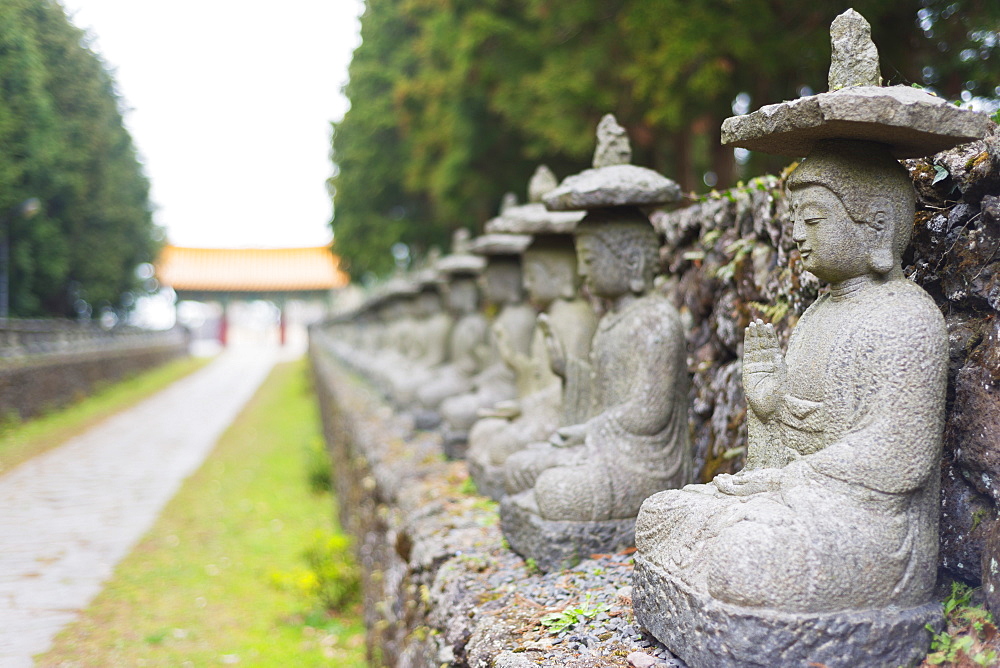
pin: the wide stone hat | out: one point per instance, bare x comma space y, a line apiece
533, 217
393, 289
460, 263
500, 244
910, 121
428, 278
400, 288
612, 181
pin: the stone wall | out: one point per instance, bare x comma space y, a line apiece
64, 365
441, 588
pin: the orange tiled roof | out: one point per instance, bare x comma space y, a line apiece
249, 269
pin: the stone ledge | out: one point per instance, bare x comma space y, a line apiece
441, 586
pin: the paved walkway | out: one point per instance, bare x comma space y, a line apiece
67, 517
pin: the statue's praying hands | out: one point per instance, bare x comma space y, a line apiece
763, 369
555, 348
511, 356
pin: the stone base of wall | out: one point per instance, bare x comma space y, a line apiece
441, 586
30, 387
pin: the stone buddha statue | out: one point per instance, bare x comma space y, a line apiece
397, 312
459, 272
579, 493
551, 281
502, 288
823, 549
428, 339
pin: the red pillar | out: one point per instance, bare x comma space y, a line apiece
281, 324
224, 325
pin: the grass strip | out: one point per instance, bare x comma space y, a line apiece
20, 441
221, 577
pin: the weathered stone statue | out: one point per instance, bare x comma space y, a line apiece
550, 279
427, 344
466, 337
823, 549
513, 324
579, 493
397, 312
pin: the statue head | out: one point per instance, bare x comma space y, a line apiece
429, 300
617, 251
550, 269
462, 294
501, 280
853, 206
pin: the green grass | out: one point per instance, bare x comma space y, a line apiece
20, 441
222, 578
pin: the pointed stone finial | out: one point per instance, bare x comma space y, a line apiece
613, 147
542, 182
509, 201
854, 61
460, 240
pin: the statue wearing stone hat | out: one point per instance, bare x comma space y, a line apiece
823, 549
579, 493
502, 287
551, 281
459, 271
427, 339
397, 310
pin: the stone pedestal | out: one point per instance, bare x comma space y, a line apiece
558, 544
426, 419
489, 479
455, 443
707, 633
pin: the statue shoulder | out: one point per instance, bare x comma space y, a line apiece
473, 322
647, 322
575, 313
900, 321
904, 305
518, 318
659, 310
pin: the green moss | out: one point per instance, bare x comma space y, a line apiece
974, 162
977, 518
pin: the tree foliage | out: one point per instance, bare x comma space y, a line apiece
64, 143
453, 102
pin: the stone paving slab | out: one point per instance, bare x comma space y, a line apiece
68, 516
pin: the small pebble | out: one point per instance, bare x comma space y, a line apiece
641, 660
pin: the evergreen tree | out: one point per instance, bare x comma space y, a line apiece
454, 101
64, 143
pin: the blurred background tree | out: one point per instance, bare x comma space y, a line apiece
453, 102
64, 143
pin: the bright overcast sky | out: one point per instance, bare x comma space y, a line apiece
229, 104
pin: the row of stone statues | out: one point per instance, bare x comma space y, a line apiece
823, 548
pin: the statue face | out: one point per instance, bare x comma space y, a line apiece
549, 275
603, 272
429, 302
462, 294
501, 281
833, 246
